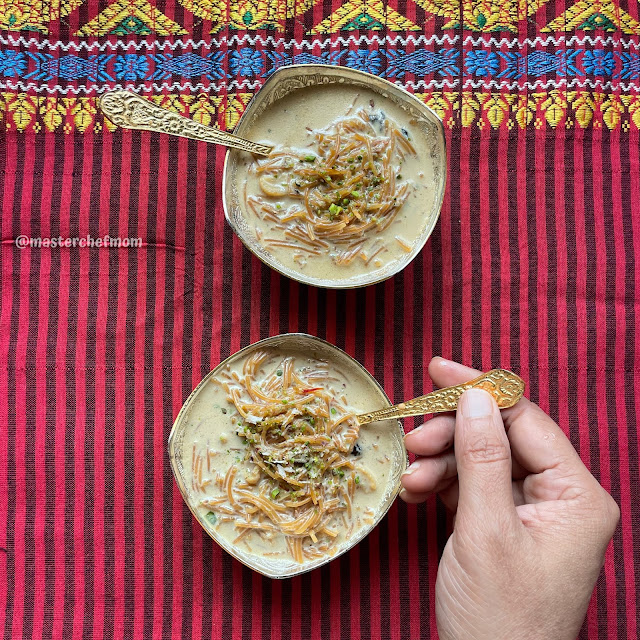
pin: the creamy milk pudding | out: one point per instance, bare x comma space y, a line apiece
348, 192
275, 466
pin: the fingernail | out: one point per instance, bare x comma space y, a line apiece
476, 403
412, 468
416, 430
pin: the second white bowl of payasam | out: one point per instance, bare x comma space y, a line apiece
354, 185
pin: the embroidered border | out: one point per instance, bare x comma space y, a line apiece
247, 66
373, 40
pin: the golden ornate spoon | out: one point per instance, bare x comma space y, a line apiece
506, 388
129, 110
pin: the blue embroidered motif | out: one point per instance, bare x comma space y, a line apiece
422, 63
516, 65
251, 63
245, 62
599, 63
630, 66
188, 65
93, 68
365, 60
131, 67
540, 63
12, 63
278, 60
481, 63
563, 63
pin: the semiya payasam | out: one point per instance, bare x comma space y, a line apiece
338, 194
276, 465
348, 191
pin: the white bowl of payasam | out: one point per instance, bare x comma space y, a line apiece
354, 185
270, 460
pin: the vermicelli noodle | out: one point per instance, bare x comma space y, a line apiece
300, 474
347, 186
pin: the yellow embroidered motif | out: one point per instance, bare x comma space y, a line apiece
482, 15
83, 112
583, 106
247, 14
469, 107
124, 17
33, 15
632, 103
437, 102
53, 112
173, 102
597, 14
22, 109
553, 105
525, 110
204, 109
492, 111
236, 104
364, 14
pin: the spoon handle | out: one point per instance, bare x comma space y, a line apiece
129, 110
506, 388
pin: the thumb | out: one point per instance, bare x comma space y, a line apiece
483, 458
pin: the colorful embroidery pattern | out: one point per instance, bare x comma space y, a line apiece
482, 15
371, 15
474, 67
136, 17
254, 63
247, 14
594, 14
33, 15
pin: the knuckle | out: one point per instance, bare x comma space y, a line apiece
483, 450
612, 511
605, 513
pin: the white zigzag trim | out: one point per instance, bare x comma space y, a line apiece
153, 88
431, 84
244, 40
556, 41
244, 85
562, 83
420, 85
326, 43
559, 83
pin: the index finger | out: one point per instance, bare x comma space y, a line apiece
537, 442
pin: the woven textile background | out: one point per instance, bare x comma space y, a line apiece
534, 266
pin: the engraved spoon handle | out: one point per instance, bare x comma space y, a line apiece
506, 388
129, 110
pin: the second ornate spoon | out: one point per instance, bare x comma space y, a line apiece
506, 388
129, 110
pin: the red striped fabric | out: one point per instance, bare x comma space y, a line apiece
533, 266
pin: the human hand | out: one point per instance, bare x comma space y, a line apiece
531, 525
